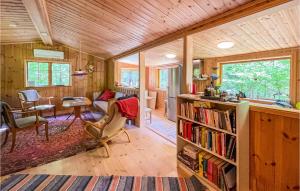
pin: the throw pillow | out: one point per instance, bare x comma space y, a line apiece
106, 95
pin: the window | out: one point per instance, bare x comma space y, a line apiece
129, 77
269, 79
60, 74
39, 73
163, 78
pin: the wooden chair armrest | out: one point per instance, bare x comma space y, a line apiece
48, 98
24, 112
88, 123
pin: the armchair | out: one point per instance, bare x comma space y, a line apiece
19, 124
108, 127
30, 100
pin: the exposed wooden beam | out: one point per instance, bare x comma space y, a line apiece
37, 11
226, 17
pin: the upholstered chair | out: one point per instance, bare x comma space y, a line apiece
31, 100
107, 127
18, 124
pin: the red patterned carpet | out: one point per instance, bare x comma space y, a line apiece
32, 150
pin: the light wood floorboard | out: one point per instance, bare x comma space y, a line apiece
148, 154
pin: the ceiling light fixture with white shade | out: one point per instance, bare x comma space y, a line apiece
170, 55
225, 44
44, 33
79, 71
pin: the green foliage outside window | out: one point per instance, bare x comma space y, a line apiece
37, 74
163, 78
60, 74
258, 79
130, 77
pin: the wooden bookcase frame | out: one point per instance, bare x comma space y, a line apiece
242, 140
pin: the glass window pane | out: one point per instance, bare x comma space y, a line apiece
129, 77
37, 74
258, 79
60, 74
163, 78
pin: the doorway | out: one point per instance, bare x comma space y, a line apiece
162, 84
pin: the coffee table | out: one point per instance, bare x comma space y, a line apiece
77, 103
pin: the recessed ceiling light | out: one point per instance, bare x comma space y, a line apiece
44, 34
225, 44
170, 55
12, 24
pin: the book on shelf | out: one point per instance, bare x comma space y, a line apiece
218, 142
229, 174
215, 170
204, 113
209, 134
188, 161
190, 151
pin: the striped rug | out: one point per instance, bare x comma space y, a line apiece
22, 182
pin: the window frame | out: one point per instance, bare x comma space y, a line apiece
159, 76
50, 62
129, 69
263, 101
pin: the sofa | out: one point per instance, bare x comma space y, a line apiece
105, 105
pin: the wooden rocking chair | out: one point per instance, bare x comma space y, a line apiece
108, 127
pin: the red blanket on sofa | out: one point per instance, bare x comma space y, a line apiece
128, 107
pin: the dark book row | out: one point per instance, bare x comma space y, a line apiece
222, 119
217, 142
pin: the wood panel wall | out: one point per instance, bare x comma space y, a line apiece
13, 80
274, 150
293, 53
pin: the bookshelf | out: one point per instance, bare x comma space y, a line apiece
239, 159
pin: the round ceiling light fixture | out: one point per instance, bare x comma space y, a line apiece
225, 44
170, 55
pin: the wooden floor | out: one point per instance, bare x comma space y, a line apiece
148, 154
162, 126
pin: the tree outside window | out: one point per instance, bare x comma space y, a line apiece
129, 77
60, 74
38, 74
268, 79
163, 78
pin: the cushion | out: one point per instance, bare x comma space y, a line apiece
42, 107
97, 131
103, 105
28, 121
106, 95
127, 96
96, 95
119, 94
30, 95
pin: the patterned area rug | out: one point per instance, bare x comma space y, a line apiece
32, 150
101, 183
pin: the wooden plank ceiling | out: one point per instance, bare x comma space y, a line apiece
107, 28
16, 25
272, 29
